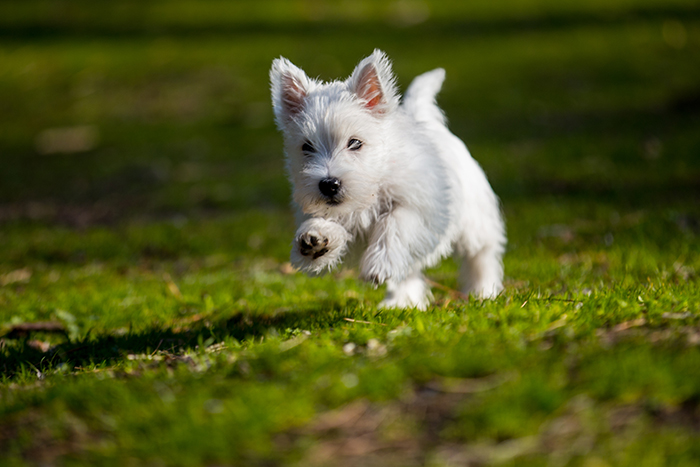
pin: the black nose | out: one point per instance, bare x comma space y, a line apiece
329, 186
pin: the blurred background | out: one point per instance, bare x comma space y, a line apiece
120, 111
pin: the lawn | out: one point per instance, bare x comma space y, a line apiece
144, 212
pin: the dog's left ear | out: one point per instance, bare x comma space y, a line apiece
374, 83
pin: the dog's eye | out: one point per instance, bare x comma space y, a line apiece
307, 148
354, 144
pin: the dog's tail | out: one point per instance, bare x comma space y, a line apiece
419, 100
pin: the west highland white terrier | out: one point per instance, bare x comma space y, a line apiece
384, 182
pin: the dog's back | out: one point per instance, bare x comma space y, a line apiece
477, 229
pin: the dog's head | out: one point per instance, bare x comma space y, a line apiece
335, 134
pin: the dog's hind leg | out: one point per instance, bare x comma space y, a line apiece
481, 274
412, 292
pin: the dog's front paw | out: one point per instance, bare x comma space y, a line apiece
319, 244
378, 265
374, 276
312, 244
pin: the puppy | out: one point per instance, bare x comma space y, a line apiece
384, 182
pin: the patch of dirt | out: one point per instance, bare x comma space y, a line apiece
43, 441
411, 431
367, 434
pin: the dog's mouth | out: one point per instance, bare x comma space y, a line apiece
333, 200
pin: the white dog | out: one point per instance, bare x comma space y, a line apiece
384, 181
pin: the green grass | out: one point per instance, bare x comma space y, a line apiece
162, 248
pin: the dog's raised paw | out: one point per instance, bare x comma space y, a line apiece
313, 245
318, 245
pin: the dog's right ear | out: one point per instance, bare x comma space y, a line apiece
289, 85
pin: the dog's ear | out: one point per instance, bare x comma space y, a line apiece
374, 83
289, 85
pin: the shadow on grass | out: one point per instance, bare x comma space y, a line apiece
107, 349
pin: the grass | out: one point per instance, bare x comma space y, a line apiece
162, 247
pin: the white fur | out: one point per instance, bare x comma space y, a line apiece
409, 196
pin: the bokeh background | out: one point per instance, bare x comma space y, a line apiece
123, 110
